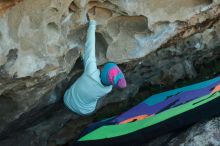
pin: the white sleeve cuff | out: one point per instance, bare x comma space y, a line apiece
92, 22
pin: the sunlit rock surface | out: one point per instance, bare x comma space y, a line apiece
157, 42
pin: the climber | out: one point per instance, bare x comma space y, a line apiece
93, 84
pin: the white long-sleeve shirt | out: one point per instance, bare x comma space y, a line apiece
83, 95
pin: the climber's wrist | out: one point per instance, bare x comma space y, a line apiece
91, 17
92, 22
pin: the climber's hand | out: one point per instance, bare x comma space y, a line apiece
91, 14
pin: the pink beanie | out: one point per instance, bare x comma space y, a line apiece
112, 75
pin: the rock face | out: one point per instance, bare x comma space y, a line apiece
204, 133
156, 42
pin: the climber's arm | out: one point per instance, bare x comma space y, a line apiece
89, 52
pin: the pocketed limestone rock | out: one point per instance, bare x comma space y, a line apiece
156, 42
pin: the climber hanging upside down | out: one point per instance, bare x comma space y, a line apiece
93, 84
